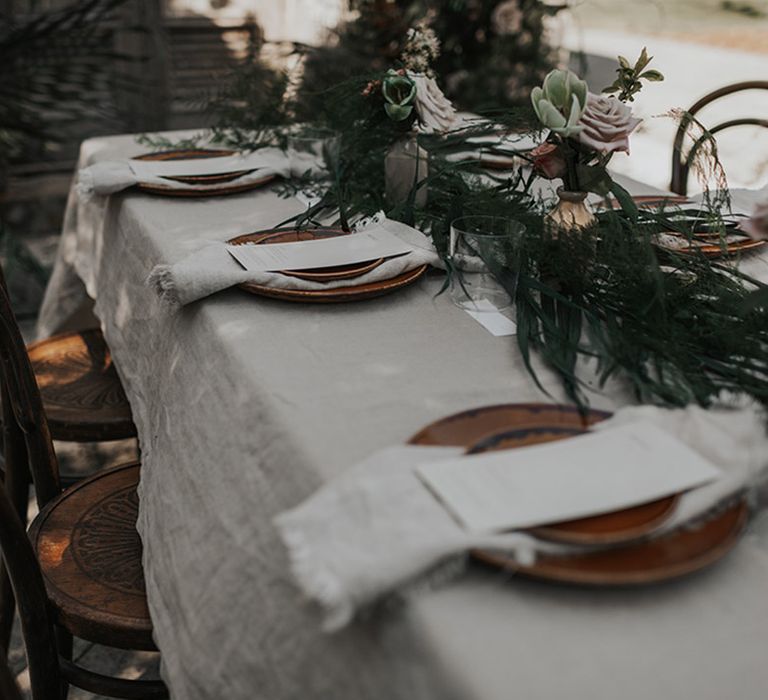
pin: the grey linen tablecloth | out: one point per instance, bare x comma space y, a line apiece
244, 406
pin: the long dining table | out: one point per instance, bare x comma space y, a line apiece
246, 405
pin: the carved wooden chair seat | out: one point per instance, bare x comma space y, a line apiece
681, 163
79, 572
82, 394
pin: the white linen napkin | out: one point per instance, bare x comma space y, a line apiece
377, 528
212, 269
106, 177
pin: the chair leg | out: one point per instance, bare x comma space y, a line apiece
64, 644
16, 484
7, 611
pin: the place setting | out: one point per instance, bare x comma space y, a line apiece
692, 230
302, 264
541, 491
188, 172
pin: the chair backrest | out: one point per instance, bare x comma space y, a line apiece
28, 448
28, 442
29, 589
681, 164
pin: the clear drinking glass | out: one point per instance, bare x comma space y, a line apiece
485, 256
314, 150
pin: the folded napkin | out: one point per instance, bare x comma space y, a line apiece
106, 177
376, 528
212, 269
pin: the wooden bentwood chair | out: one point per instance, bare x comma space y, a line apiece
681, 165
83, 401
79, 572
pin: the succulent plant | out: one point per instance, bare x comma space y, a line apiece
560, 101
399, 94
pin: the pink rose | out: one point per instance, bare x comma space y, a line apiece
757, 226
607, 123
548, 160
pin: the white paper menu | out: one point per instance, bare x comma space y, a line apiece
322, 252
198, 166
581, 476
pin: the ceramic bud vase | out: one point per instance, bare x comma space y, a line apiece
570, 213
405, 164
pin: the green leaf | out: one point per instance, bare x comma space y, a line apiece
398, 113
550, 117
653, 75
593, 178
537, 95
623, 62
625, 200
556, 88
643, 61
758, 298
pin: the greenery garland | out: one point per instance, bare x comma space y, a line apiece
675, 328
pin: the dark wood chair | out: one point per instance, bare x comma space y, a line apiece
82, 394
8, 688
79, 571
681, 163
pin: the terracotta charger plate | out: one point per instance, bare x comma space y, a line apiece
492, 161
709, 245
630, 561
356, 292
652, 201
704, 243
215, 182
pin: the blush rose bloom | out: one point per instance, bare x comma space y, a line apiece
607, 123
548, 160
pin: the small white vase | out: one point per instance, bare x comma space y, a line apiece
405, 164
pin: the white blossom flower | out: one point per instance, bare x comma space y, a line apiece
421, 48
507, 17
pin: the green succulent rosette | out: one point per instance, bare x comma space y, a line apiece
399, 94
560, 102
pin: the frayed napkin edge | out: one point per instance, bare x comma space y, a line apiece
161, 280
317, 582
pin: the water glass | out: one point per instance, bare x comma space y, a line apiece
485, 257
314, 150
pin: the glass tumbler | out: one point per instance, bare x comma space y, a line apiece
484, 252
314, 150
